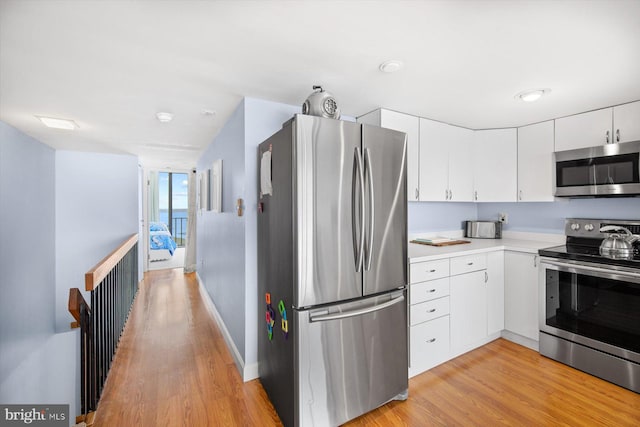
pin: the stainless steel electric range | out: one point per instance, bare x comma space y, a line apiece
590, 302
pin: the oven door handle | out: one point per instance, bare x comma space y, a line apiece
601, 272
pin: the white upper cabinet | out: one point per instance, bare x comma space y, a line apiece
409, 125
495, 154
626, 122
445, 162
584, 130
535, 162
461, 165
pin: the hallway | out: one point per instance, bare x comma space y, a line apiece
172, 367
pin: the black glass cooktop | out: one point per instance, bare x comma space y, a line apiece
590, 253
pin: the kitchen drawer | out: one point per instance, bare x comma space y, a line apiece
429, 344
469, 263
428, 270
427, 291
429, 310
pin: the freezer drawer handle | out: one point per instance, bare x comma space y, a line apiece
354, 313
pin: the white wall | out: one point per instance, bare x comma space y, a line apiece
96, 210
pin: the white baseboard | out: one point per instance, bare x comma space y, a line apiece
249, 372
519, 339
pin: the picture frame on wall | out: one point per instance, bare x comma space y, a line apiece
216, 186
203, 184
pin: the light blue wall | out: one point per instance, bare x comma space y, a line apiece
36, 364
549, 217
262, 119
96, 210
227, 243
426, 217
221, 236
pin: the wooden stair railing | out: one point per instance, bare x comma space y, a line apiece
113, 285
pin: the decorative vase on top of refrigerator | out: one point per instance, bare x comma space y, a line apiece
332, 270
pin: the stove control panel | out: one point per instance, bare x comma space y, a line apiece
587, 227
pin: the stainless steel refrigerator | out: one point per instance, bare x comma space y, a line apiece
332, 269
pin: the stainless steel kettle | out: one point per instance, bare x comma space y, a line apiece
617, 245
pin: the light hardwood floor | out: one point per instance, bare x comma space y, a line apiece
173, 369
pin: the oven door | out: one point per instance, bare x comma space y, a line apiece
591, 304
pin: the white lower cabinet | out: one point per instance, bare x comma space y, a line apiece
521, 294
429, 344
455, 313
428, 315
495, 292
468, 309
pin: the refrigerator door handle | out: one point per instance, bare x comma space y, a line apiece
354, 313
372, 210
358, 173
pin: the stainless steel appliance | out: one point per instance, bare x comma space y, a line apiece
483, 229
602, 171
332, 269
590, 303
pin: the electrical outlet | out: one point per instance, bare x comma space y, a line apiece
503, 217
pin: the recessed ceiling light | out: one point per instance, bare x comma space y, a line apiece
531, 95
390, 66
58, 123
164, 117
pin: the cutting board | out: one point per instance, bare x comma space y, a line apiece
447, 243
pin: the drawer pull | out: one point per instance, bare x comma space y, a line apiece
431, 340
469, 263
431, 291
432, 271
431, 311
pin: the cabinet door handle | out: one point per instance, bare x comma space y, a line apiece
535, 261
417, 194
617, 135
520, 195
431, 340
486, 277
475, 194
607, 137
431, 311
450, 195
446, 194
431, 291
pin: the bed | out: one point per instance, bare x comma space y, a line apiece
161, 244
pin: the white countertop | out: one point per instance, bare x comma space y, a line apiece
419, 253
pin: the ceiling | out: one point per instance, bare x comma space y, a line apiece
110, 65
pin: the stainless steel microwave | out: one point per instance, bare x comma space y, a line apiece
603, 171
